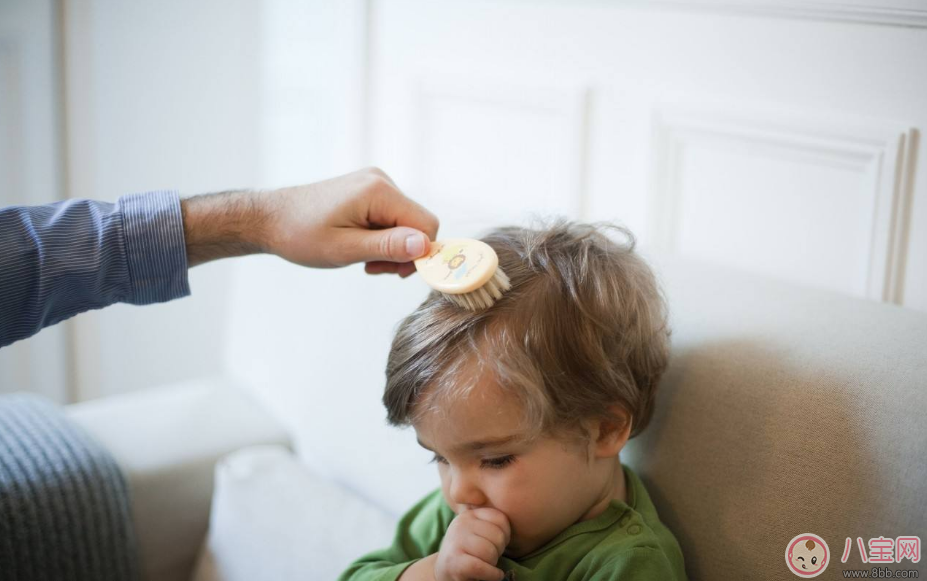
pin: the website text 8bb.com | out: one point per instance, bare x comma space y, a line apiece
880, 573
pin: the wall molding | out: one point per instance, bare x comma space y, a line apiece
883, 149
905, 13
568, 102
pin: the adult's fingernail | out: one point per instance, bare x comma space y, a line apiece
415, 245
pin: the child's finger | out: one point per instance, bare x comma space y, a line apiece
497, 517
492, 533
474, 568
481, 548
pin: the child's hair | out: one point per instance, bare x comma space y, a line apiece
584, 326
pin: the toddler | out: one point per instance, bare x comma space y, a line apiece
526, 407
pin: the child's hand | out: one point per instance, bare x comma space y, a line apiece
472, 546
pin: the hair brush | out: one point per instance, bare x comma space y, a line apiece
466, 271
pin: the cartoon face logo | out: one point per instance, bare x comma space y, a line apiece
458, 265
807, 555
456, 261
459, 259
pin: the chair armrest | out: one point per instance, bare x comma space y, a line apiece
167, 441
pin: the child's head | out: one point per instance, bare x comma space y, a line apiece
565, 364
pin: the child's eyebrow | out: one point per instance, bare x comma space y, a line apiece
476, 446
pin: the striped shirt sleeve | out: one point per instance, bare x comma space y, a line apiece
65, 258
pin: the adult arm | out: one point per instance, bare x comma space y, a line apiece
358, 217
65, 258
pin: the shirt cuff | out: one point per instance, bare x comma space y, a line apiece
155, 249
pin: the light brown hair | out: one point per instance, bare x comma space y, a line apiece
584, 326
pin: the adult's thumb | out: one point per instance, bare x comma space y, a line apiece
398, 244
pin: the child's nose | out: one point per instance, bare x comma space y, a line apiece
465, 493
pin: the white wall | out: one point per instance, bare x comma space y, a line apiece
777, 138
200, 97
779, 145
31, 170
312, 344
160, 95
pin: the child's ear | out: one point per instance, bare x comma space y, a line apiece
612, 433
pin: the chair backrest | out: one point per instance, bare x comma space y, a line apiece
784, 411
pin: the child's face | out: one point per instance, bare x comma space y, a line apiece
542, 487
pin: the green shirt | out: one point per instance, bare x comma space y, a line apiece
626, 542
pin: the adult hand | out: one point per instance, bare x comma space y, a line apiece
358, 217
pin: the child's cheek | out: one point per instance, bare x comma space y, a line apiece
512, 493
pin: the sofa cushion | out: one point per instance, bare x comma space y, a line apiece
272, 519
784, 411
167, 442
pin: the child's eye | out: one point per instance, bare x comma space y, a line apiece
498, 462
494, 463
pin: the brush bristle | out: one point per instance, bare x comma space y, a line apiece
486, 295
